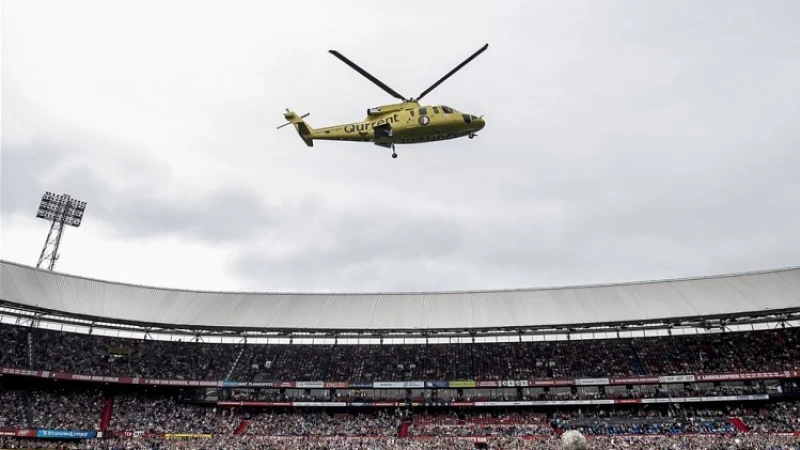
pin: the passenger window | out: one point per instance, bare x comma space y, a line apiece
435, 110
447, 109
423, 111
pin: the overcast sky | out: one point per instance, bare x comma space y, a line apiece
625, 140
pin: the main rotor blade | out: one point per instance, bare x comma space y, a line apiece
457, 68
367, 75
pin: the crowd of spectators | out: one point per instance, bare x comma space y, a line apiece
652, 426
717, 442
13, 352
99, 355
770, 350
150, 412
12, 408
66, 409
507, 425
80, 409
320, 424
153, 414
50, 409
778, 417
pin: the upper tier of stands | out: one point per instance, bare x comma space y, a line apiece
39, 349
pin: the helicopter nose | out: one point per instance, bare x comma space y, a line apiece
479, 122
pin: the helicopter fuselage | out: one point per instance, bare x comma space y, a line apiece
406, 123
402, 123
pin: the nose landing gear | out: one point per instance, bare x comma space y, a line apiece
472, 135
394, 154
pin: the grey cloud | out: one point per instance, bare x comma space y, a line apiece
536, 235
641, 141
143, 202
376, 249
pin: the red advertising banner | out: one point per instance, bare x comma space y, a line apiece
634, 380
132, 434
747, 375
17, 433
663, 379
249, 403
21, 372
552, 382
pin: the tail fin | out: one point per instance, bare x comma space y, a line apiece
303, 129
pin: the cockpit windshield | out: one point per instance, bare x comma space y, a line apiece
447, 109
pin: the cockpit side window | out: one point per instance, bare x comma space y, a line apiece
435, 110
447, 109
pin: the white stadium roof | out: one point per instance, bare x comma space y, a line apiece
754, 292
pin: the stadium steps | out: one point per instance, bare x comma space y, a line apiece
236, 362
28, 408
635, 361
471, 362
242, 428
739, 424
325, 369
402, 430
108, 413
30, 349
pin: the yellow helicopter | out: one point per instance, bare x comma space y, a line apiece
400, 123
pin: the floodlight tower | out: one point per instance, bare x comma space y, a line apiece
60, 210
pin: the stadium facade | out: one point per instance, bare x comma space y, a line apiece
66, 332
734, 302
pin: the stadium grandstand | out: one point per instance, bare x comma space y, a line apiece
699, 363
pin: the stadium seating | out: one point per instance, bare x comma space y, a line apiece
140, 417
774, 350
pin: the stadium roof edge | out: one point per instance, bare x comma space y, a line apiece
478, 291
698, 300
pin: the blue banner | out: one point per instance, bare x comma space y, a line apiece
436, 384
65, 434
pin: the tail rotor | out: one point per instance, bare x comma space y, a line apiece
303, 129
288, 113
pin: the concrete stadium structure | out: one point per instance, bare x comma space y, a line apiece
771, 295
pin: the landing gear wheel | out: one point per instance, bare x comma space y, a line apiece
394, 154
472, 135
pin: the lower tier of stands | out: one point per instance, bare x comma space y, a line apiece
141, 412
693, 442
